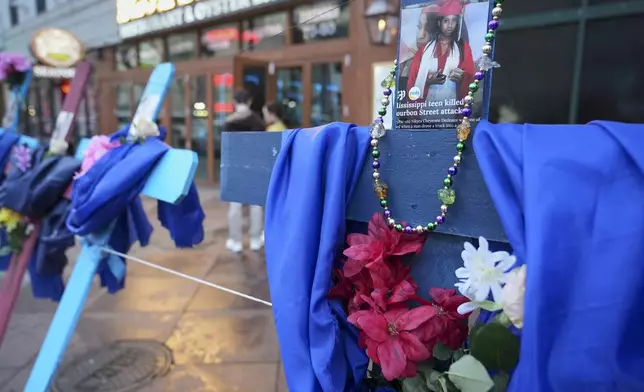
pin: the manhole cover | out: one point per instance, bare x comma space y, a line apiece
120, 367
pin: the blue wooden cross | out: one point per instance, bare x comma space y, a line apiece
413, 166
169, 182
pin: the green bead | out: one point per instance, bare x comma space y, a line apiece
382, 111
447, 182
388, 82
375, 153
489, 37
446, 196
398, 227
383, 203
474, 87
460, 147
431, 226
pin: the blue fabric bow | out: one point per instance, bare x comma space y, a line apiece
110, 191
570, 200
311, 184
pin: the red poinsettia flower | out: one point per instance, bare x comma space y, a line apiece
380, 243
390, 338
392, 283
448, 327
351, 290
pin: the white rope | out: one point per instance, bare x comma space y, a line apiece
192, 278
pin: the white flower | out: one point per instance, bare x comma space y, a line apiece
483, 271
144, 129
513, 296
58, 147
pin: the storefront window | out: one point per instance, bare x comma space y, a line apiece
610, 88
151, 53
126, 57
264, 32
222, 101
321, 21
545, 99
289, 93
326, 101
521, 8
182, 47
221, 41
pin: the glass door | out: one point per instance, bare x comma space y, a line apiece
124, 105
197, 123
178, 95
221, 105
291, 95
256, 77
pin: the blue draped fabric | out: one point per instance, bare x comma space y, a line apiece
110, 190
571, 202
36, 193
310, 186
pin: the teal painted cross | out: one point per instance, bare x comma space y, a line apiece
169, 182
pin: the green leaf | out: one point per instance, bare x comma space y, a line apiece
431, 379
496, 347
469, 375
6, 250
458, 354
443, 384
442, 352
488, 305
501, 381
415, 384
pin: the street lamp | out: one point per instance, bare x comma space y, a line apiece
382, 22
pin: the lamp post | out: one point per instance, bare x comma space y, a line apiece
382, 21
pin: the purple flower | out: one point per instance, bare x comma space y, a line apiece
12, 62
22, 157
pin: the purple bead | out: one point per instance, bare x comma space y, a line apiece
387, 92
493, 25
408, 229
375, 164
479, 75
466, 112
440, 220
388, 213
380, 119
452, 170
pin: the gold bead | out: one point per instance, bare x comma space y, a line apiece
463, 130
381, 190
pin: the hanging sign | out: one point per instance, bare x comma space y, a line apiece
57, 48
441, 45
139, 17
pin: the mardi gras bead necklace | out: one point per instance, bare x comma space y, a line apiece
446, 194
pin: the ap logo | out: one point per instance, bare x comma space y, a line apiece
414, 93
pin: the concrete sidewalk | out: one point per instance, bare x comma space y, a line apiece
218, 342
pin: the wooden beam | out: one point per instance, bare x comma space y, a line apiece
414, 165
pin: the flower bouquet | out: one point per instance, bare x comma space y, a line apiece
453, 342
17, 230
13, 68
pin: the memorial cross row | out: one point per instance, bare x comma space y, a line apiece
177, 165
